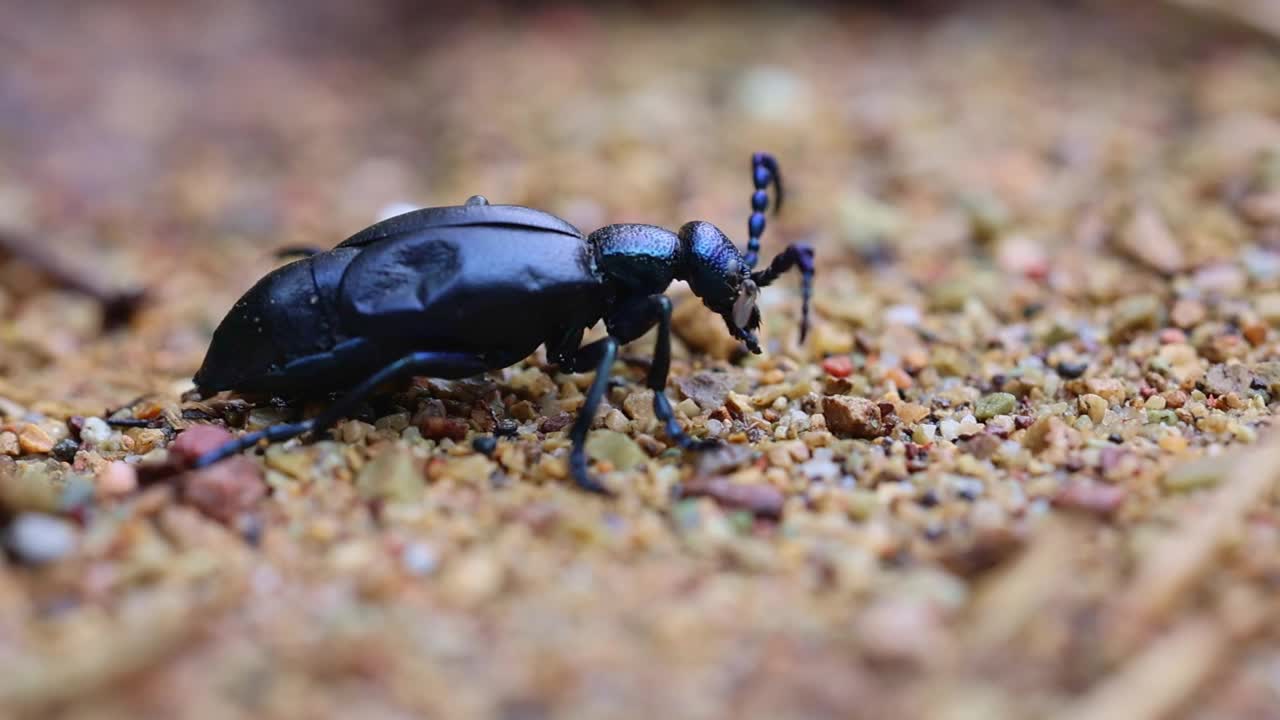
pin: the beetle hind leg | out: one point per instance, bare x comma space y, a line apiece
436, 364
274, 433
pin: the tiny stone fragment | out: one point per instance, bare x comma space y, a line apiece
1148, 239
853, 417
757, 498
1135, 314
117, 478
439, 428
617, 449
722, 459
1194, 475
555, 423
1091, 497
1222, 379
392, 476
707, 389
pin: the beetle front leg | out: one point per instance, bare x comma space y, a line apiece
632, 321
799, 255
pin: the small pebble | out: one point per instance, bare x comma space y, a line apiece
506, 428
117, 478
853, 417
196, 441
838, 366
34, 439
484, 444
419, 559
38, 539
1000, 403
65, 449
226, 489
96, 432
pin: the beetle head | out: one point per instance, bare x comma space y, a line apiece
719, 276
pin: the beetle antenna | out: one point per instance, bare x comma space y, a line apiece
764, 170
799, 255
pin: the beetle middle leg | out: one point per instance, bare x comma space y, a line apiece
632, 321
600, 355
436, 364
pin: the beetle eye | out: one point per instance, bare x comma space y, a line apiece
745, 304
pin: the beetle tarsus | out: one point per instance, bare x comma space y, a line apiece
273, 433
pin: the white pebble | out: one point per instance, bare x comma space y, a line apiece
41, 539
96, 432
949, 428
908, 315
820, 470
419, 559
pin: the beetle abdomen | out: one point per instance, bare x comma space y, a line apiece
287, 316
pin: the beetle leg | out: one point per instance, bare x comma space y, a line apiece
440, 364
600, 355
301, 251
274, 433
798, 255
632, 321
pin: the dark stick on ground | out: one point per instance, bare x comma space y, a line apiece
118, 304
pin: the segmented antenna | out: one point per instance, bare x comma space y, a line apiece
764, 170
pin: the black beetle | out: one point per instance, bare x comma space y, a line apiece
452, 292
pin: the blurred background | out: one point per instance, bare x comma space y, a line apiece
171, 145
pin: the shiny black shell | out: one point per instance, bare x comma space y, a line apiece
494, 280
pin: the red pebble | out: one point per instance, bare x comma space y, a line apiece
1091, 497
225, 490
196, 441
757, 498
838, 366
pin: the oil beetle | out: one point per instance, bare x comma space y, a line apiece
451, 292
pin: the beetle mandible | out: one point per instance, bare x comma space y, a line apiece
451, 292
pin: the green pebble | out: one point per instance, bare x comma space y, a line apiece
742, 521
1000, 403
1187, 477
